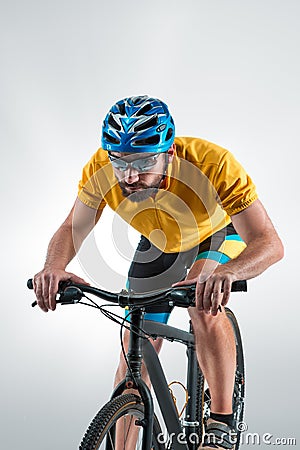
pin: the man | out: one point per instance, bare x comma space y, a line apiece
195, 207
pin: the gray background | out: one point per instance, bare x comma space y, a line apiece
229, 71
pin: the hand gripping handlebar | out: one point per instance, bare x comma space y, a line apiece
182, 296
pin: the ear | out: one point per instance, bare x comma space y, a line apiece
171, 153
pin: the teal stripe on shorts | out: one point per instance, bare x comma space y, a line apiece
214, 255
155, 317
234, 237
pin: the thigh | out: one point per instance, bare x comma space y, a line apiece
221, 246
152, 269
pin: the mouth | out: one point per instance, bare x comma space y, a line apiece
137, 192
134, 189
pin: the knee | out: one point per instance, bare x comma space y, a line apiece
205, 323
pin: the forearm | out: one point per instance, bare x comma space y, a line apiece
67, 240
61, 249
259, 254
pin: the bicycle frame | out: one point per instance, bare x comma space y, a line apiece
141, 349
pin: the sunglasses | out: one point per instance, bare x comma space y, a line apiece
140, 165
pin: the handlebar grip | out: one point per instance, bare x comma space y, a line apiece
239, 286
30, 286
69, 296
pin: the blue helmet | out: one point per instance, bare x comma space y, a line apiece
137, 125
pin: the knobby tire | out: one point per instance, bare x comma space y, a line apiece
100, 434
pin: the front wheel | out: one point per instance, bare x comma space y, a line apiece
117, 420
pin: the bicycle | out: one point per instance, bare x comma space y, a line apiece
129, 408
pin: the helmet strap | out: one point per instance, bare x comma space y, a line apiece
166, 167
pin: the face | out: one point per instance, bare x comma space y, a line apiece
139, 174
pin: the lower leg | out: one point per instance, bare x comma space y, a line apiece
215, 345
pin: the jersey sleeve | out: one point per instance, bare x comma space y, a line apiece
235, 189
89, 191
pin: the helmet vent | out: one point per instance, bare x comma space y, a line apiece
147, 124
137, 100
169, 134
122, 109
144, 109
111, 139
152, 140
113, 123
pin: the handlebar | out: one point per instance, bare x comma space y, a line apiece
182, 296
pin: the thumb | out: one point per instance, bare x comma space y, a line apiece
185, 282
77, 279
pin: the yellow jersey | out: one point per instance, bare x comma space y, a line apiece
204, 186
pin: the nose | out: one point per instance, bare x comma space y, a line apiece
131, 175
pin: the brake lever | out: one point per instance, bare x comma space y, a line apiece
70, 296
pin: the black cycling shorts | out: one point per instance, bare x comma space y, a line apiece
152, 269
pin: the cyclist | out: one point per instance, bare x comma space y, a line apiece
200, 221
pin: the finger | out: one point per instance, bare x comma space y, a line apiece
53, 288
38, 292
199, 295
226, 291
207, 294
45, 292
216, 298
185, 282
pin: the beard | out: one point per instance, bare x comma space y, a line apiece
143, 191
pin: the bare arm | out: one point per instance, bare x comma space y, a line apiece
264, 248
61, 250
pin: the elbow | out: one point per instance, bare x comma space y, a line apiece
281, 253
279, 250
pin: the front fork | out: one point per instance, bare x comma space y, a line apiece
194, 407
133, 379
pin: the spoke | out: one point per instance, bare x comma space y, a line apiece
128, 428
111, 441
